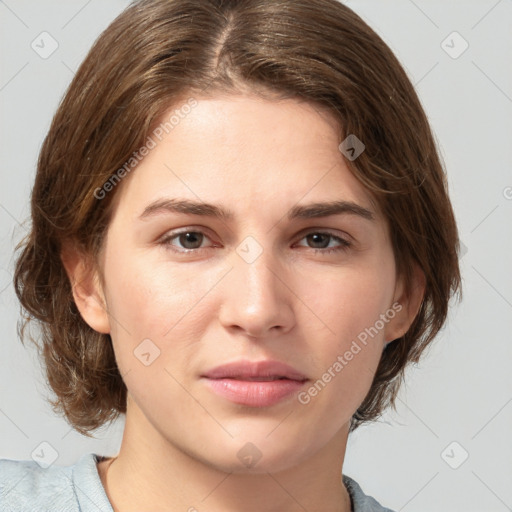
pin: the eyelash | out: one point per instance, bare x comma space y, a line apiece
166, 241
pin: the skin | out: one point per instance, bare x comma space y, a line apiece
258, 158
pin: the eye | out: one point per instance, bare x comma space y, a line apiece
322, 242
188, 240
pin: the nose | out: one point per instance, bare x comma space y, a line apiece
257, 299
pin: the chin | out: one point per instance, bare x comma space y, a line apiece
252, 465
258, 453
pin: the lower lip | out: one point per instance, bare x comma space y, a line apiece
255, 393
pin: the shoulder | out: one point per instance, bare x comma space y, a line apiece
26, 486
360, 501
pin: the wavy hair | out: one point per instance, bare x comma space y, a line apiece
155, 53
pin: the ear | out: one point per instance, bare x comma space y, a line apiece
87, 288
406, 305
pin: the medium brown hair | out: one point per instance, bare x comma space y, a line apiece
154, 54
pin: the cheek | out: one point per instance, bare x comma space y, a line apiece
156, 301
350, 301
146, 293
351, 305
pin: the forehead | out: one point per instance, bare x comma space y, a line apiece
245, 151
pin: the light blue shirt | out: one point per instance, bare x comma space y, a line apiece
27, 487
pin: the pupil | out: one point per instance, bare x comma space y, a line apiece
317, 239
191, 237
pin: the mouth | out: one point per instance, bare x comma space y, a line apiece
259, 379
255, 384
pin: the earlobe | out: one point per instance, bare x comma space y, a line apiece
406, 304
87, 289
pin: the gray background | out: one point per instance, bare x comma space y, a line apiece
462, 390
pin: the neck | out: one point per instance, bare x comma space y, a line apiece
152, 474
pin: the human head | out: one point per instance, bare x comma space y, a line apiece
150, 59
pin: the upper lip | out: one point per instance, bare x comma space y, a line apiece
245, 370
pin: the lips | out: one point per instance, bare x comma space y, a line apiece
255, 384
258, 370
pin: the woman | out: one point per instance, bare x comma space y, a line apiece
241, 237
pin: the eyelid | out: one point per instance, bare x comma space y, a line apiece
201, 229
342, 235
169, 235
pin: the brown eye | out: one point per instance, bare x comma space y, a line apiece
185, 241
321, 242
190, 239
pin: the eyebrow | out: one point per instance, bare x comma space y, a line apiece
307, 211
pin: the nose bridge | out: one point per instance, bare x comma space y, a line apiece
260, 277
256, 299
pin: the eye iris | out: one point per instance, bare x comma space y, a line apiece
317, 238
191, 237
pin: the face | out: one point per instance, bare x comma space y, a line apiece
275, 279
